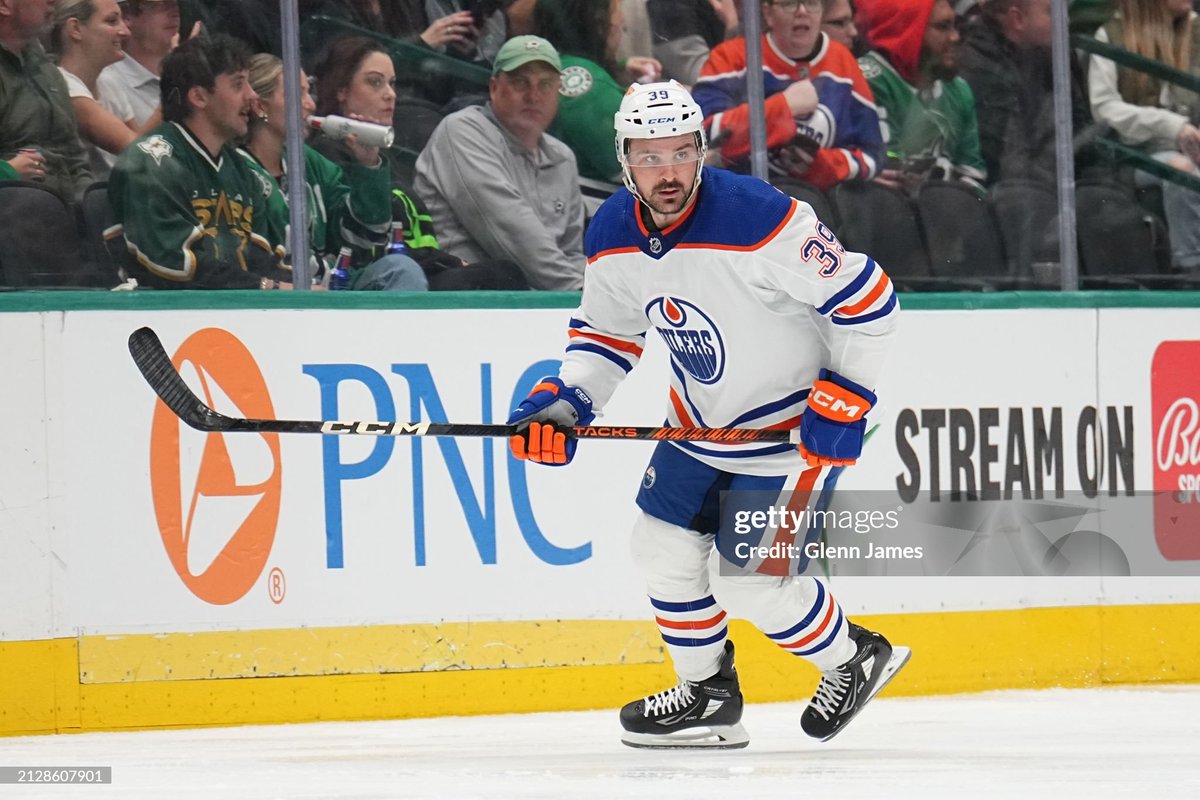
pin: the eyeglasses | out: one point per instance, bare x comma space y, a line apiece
813, 6
652, 159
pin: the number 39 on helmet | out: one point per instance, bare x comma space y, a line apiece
657, 111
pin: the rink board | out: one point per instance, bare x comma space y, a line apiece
153, 576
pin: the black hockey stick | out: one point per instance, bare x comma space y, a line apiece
164, 379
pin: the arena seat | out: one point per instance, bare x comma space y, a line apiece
39, 243
960, 231
810, 194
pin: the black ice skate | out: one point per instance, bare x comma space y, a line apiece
706, 714
844, 691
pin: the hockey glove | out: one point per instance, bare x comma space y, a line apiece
544, 421
835, 421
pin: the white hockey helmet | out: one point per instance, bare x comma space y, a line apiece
657, 111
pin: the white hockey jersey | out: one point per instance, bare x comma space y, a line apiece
752, 296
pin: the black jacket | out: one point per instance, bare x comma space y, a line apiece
1014, 101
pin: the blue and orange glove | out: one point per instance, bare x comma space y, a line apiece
834, 423
545, 420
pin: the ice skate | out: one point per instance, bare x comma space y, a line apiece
844, 691
696, 715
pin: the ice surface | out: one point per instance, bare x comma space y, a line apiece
1059, 744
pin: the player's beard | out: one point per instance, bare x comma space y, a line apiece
663, 206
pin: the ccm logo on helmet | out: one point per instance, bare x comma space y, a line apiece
660, 121
836, 404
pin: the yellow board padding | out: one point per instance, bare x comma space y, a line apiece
368, 650
1086, 646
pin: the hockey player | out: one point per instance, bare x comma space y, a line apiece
770, 323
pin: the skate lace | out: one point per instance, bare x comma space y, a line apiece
830, 692
674, 699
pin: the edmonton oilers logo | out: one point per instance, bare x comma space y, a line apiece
692, 336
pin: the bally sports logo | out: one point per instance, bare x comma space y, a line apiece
1175, 410
216, 497
693, 338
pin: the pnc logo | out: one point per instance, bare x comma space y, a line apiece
1175, 424
216, 496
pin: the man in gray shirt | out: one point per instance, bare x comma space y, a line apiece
497, 186
133, 81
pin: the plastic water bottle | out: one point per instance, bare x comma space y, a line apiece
368, 133
339, 278
397, 244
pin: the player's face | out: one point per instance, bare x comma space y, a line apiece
228, 105
526, 99
101, 36
794, 25
839, 23
941, 40
372, 91
664, 171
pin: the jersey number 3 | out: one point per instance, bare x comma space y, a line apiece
825, 249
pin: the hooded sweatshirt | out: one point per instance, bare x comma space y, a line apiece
935, 121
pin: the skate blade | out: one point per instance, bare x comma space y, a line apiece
900, 657
719, 737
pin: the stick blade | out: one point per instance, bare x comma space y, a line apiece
156, 367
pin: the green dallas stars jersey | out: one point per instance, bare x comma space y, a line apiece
938, 121
352, 208
587, 102
191, 222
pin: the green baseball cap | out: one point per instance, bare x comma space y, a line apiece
520, 50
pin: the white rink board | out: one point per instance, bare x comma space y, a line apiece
91, 560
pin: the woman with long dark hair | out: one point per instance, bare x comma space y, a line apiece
356, 78
347, 208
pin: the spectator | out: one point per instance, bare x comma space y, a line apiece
837, 20
586, 34
489, 27
133, 82
256, 22
399, 19
684, 31
498, 185
87, 36
356, 78
192, 212
351, 208
927, 111
35, 113
1155, 116
821, 122
1005, 59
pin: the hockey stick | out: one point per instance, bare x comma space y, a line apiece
156, 367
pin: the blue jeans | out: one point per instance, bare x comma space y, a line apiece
1182, 209
392, 273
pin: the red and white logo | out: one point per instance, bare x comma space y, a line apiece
1175, 414
216, 497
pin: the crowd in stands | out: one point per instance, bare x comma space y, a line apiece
503, 110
